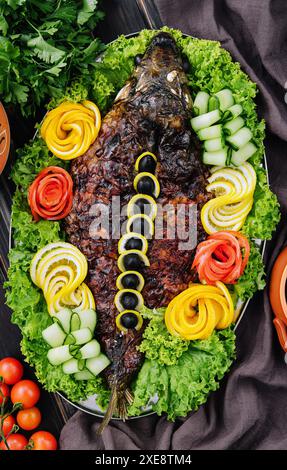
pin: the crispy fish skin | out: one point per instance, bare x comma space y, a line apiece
151, 113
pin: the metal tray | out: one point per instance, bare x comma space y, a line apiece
90, 405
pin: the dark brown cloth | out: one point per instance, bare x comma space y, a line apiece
249, 411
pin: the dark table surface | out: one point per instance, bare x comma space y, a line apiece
122, 17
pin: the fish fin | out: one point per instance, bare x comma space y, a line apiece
122, 408
129, 396
110, 411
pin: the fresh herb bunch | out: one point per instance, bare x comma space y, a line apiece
44, 45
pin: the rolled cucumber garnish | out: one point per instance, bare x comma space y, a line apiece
212, 145
54, 335
244, 153
225, 98
212, 132
58, 356
232, 112
205, 120
200, 104
233, 126
97, 364
215, 158
240, 138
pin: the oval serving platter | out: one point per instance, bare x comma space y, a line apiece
90, 405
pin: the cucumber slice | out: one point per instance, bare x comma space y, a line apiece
91, 349
88, 319
205, 120
75, 322
225, 98
97, 364
84, 375
213, 103
233, 126
64, 318
82, 336
229, 155
240, 138
57, 356
232, 112
70, 340
212, 132
215, 158
200, 104
54, 335
212, 145
71, 366
240, 156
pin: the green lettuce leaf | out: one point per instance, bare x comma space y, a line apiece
183, 387
265, 213
158, 344
253, 277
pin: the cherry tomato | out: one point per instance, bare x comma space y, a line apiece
11, 370
15, 442
8, 424
43, 440
4, 393
25, 392
29, 419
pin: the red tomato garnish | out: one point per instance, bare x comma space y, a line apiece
29, 419
25, 392
43, 440
50, 196
4, 393
11, 370
222, 257
15, 442
8, 424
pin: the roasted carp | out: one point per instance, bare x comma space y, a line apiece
150, 113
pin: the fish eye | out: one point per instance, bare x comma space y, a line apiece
138, 59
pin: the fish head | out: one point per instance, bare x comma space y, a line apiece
162, 67
160, 71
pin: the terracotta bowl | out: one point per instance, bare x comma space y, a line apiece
4, 138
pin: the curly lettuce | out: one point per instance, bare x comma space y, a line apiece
157, 343
253, 277
177, 389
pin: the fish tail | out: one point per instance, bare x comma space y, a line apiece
118, 404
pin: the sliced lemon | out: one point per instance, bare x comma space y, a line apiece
134, 321
130, 279
144, 154
123, 242
138, 223
128, 299
154, 189
132, 260
134, 206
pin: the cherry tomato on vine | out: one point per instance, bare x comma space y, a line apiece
8, 424
29, 419
15, 442
43, 440
4, 393
25, 392
11, 370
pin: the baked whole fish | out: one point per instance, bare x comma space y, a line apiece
151, 113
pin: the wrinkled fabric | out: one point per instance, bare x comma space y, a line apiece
249, 411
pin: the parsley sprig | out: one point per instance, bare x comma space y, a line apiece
44, 45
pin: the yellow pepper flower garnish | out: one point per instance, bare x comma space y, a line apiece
198, 310
71, 128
